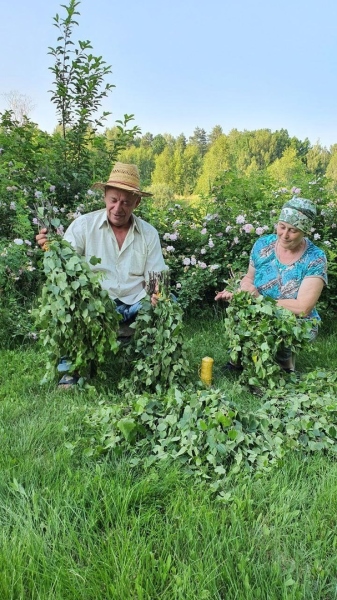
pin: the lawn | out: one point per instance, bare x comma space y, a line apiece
74, 527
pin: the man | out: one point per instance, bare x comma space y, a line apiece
129, 248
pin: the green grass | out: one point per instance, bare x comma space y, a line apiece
74, 528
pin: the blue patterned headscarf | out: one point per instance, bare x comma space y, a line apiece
300, 213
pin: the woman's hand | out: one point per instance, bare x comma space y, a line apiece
247, 286
247, 282
225, 295
41, 237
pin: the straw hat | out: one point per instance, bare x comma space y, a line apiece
123, 177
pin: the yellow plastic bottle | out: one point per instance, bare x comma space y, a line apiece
206, 370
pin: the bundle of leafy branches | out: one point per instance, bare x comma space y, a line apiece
210, 436
158, 353
256, 328
76, 318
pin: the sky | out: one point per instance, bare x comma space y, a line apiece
182, 64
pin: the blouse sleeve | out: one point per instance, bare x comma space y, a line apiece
254, 253
318, 266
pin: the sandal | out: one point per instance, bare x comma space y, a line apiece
68, 381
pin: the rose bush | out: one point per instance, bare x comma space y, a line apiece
204, 241
204, 245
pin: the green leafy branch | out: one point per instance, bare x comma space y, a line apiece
209, 436
158, 352
255, 329
79, 77
75, 316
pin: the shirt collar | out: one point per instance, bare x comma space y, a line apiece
103, 219
136, 223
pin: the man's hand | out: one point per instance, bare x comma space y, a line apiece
154, 299
41, 237
225, 295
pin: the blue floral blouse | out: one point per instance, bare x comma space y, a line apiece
276, 280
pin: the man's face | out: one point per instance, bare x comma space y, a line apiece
120, 205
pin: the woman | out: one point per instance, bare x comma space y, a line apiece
288, 267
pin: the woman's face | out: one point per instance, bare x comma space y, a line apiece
289, 237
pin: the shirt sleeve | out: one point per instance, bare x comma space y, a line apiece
75, 235
154, 260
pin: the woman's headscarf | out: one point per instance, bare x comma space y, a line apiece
300, 213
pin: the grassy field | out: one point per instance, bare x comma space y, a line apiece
74, 528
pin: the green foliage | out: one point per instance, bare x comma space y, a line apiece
308, 412
16, 324
199, 139
75, 316
144, 158
288, 168
197, 287
317, 160
106, 149
211, 437
23, 166
20, 162
79, 89
158, 352
256, 328
17, 270
331, 171
327, 239
246, 152
237, 193
19, 284
79, 77
24, 152
215, 161
177, 167
162, 195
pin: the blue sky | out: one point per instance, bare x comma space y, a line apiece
182, 64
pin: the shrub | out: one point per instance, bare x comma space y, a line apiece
256, 328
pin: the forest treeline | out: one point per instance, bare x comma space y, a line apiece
168, 165
190, 166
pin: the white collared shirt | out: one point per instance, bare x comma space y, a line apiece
125, 270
